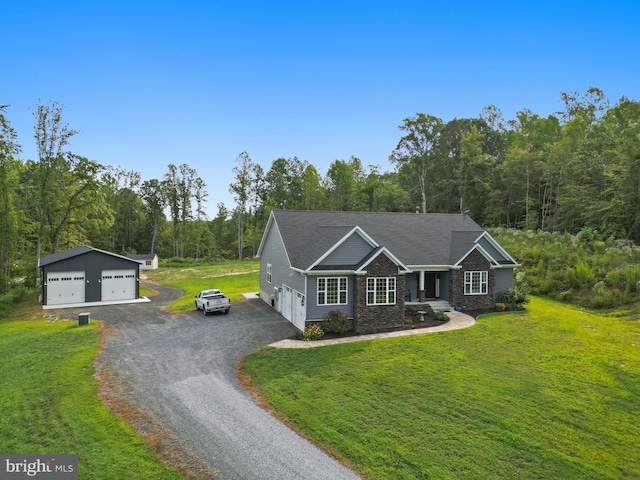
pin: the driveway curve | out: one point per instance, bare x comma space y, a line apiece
181, 369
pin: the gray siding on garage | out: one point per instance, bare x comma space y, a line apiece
315, 311
273, 253
92, 263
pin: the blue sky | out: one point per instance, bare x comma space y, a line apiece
156, 82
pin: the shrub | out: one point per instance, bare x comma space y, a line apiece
513, 298
571, 277
313, 332
441, 316
632, 277
336, 322
587, 235
500, 307
616, 279
566, 295
8, 300
584, 273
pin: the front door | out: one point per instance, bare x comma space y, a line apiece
430, 285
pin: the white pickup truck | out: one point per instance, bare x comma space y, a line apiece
212, 301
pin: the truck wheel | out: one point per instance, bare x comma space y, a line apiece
204, 310
226, 311
197, 306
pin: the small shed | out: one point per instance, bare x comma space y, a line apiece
148, 261
85, 274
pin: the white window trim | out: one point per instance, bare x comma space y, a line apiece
389, 289
483, 282
269, 278
340, 290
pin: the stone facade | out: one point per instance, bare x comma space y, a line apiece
377, 317
474, 262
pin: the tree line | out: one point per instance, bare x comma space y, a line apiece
574, 169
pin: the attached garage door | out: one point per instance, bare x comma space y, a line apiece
118, 285
299, 313
287, 301
65, 287
293, 306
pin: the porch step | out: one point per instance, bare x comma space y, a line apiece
436, 305
439, 305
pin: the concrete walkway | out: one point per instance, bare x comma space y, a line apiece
457, 321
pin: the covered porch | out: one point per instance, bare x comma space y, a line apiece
427, 287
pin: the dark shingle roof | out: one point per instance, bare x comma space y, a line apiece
461, 244
415, 239
141, 256
74, 252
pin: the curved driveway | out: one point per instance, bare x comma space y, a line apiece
182, 369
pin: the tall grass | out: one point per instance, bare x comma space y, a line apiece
10, 299
583, 269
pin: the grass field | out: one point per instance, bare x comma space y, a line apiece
552, 393
232, 277
50, 403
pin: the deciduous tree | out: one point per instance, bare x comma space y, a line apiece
417, 149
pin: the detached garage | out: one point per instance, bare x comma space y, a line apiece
86, 275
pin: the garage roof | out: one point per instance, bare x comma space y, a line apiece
74, 252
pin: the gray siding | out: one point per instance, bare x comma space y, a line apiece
411, 286
491, 250
444, 285
92, 264
350, 252
504, 279
315, 311
273, 252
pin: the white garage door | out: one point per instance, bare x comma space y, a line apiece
118, 285
287, 301
65, 287
299, 313
293, 306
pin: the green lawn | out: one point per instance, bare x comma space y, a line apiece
232, 277
552, 393
49, 403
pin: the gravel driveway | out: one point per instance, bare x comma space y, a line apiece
181, 368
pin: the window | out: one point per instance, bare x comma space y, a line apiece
475, 283
147, 262
332, 291
268, 273
381, 291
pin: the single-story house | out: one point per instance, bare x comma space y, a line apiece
85, 274
148, 261
371, 265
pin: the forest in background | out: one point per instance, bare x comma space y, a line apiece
575, 171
